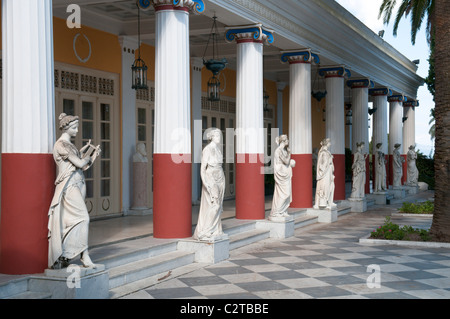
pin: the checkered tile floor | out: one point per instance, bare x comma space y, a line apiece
320, 261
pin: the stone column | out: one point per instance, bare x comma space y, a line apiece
380, 125
409, 131
249, 118
335, 122
128, 46
28, 136
172, 196
360, 121
300, 135
196, 93
395, 127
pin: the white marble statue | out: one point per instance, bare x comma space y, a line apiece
282, 171
380, 170
398, 161
68, 224
359, 172
141, 153
412, 171
209, 225
325, 178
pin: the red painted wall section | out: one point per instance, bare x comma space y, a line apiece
302, 186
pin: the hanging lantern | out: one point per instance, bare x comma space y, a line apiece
139, 69
215, 65
265, 101
316, 92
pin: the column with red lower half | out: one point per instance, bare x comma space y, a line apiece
300, 135
28, 135
395, 128
172, 168
360, 123
249, 119
409, 131
380, 124
335, 123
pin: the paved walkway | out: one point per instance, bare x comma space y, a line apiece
320, 261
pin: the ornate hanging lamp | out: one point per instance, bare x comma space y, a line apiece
215, 65
139, 69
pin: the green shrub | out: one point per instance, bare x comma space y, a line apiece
391, 231
419, 208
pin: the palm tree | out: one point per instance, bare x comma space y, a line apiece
438, 29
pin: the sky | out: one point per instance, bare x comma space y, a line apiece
367, 12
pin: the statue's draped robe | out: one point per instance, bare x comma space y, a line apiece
282, 195
68, 224
209, 225
325, 179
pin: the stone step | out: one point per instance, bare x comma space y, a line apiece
235, 226
248, 237
13, 287
343, 210
31, 295
304, 221
143, 268
127, 289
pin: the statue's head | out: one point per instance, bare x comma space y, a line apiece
214, 134
379, 145
397, 145
411, 147
140, 147
360, 145
325, 142
65, 121
282, 139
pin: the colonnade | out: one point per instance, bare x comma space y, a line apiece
28, 121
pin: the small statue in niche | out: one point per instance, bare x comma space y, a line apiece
283, 164
397, 166
68, 216
325, 177
412, 171
209, 225
359, 172
141, 153
380, 170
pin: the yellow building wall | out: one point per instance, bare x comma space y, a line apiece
105, 48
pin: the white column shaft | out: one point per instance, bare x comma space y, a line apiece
409, 128
28, 77
360, 129
249, 98
395, 125
334, 115
380, 123
300, 136
172, 83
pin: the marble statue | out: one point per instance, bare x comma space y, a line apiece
140, 189
283, 164
380, 170
68, 224
209, 225
141, 153
359, 172
397, 166
324, 177
412, 171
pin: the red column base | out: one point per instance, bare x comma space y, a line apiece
339, 176
27, 191
367, 186
391, 169
302, 186
404, 170
249, 187
172, 191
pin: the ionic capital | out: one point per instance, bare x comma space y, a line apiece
249, 33
335, 71
299, 56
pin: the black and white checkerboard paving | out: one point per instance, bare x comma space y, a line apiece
320, 261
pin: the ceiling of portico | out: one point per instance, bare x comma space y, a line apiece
120, 17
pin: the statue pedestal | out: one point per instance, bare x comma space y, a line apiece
280, 227
139, 206
380, 197
211, 252
73, 282
398, 192
411, 190
358, 205
326, 215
